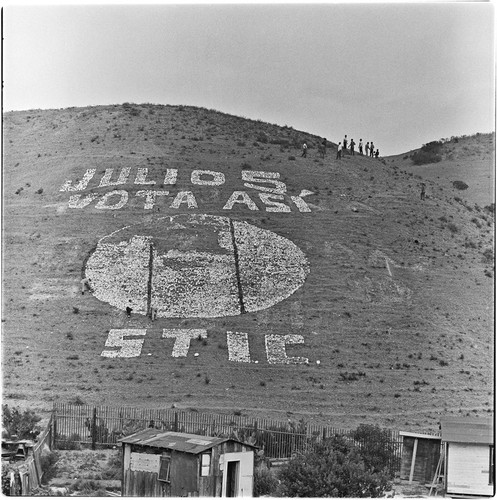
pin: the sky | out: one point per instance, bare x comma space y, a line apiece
399, 74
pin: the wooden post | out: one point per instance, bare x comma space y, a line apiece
54, 431
94, 429
413, 461
176, 421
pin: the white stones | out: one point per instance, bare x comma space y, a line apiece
276, 351
237, 342
185, 266
238, 347
182, 339
127, 348
271, 191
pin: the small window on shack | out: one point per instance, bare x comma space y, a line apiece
165, 467
205, 464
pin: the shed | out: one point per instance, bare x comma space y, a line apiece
176, 464
469, 456
420, 456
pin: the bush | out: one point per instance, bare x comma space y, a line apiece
429, 153
23, 425
460, 185
376, 447
72, 442
334, 468
424, 157
265, 482
490, 208
488, 256
47, 462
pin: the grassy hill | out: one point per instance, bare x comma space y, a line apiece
395, 317
468, 159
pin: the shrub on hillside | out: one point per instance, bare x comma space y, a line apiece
429, 153
460, 185
24, 425
488, 256
423, 157
334, 468
490, 208
452, 227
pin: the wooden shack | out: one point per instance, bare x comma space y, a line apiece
175, 464
420, 456
469, 456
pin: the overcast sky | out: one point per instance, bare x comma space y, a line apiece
399, 74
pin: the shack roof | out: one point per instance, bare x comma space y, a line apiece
468, 430
419, 435
180, 441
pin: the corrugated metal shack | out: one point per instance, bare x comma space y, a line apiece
469, 456
176, 464
420, 456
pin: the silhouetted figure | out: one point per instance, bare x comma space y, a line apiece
345, 142
360, 146
304, 150
339, 151
377, 153
371, 150
352, 145
85, 284
322, 148
367, 148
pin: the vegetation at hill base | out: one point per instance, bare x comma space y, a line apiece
18, 424
334, 468
357, 465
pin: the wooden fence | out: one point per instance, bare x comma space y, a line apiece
101, 426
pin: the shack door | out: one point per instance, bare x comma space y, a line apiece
238, 474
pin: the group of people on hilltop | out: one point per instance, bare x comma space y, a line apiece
370, 150
342, 146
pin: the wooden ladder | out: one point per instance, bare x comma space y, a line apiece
438, 475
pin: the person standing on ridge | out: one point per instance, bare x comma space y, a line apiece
360, 146
371, 150
367, 148
352, 144
345, 142
377, 153
322, 148
339, 151
423, 190
304, 150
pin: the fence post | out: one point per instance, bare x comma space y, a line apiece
175, 421
94, 429
54, 430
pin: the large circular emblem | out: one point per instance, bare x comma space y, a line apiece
201, 266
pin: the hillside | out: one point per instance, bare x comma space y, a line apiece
468, 159
310, 288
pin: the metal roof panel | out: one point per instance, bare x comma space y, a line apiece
180, 441
468, 430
